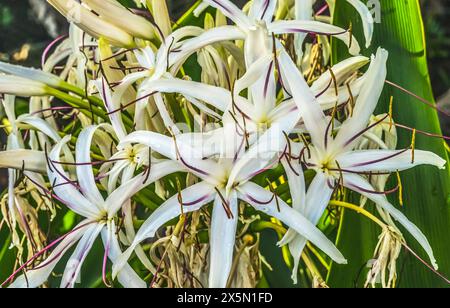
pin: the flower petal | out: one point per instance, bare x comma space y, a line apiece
367, 19
222, 241
128, 189
250, 191
315, 27
214, 96
39, 275
65, 191
166, 146
388, 161
29, 160
216, 35
231, 11
361, 186
311, 113
195, 197
85, 171
366, 102
73, 267
263, 10
127, 277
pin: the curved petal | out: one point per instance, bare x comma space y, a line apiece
230, 10
304, 10
73, 267
85, 172
297, 185
222, 241
65, 190
388, 161
41, 125
195, 197
214, 96
191, 158
315, 27
341, 72
127, 277
164, 113
216, 35
367, 19
116, 117
251, 192
317, 199
39, 275
130, 235
361, 186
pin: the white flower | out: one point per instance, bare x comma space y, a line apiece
215, 186
336, 162
99, 214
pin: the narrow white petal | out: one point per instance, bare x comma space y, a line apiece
214, 96
304, 10
65, 190
311, 112
263, 10
367, 19
366, 102
73, 267
222, 241
195, 197
191, 158
315, 27
297, 185
251, 192
41, 125
85, 172
341, 71
38, 276
388, 161
127, 277
360, 185
111, 106
230, 10
216, 35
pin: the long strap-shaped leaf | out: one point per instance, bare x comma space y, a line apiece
426, 190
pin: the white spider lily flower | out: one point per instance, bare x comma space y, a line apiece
115, 13
213, 187
92, 24
155, 80
99, 214
335, 160
18, 86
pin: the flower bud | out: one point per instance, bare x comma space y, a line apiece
116, 14
91, 23
19, 86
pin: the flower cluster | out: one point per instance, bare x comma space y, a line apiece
167, 142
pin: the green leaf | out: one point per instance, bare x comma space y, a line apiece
426, 190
